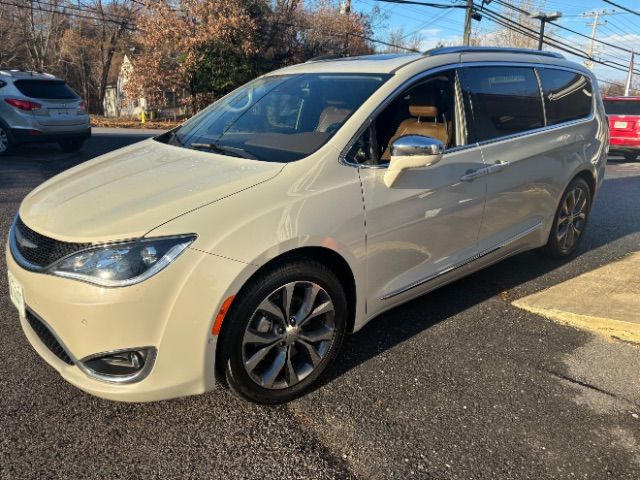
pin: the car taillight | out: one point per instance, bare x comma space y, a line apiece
25, 105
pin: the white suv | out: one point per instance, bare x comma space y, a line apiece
246, 243
37, 108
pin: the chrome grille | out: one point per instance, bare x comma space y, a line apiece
39, 250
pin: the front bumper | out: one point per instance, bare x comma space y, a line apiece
172, 311
27, 135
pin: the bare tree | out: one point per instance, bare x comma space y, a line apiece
12, 47
42, 25
114, 23
402, 42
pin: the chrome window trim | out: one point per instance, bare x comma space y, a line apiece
462, 131
541, 92
456, 66
546, 127
537, 131
473, 258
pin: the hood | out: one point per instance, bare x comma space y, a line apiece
128, 192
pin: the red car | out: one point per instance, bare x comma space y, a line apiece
624, 126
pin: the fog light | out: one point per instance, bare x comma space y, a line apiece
121, 366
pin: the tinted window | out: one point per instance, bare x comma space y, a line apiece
622, 107
277, 118
567, 95
46, 89
2, 83
501, 101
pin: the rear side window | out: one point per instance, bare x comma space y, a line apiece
622, 107
501, 101
2, 83
46, 89
567, 95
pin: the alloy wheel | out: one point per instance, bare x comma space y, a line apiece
289, 335
572, 218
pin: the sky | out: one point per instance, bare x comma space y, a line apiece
435, 25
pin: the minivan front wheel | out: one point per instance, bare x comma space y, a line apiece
570, 220
285, 332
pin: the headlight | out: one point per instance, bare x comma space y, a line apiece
122, 264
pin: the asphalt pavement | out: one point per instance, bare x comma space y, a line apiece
458, 384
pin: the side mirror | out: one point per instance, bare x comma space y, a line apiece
412, 151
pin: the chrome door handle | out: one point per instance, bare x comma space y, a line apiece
497, 167
471, 175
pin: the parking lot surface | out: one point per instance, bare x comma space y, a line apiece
458, 384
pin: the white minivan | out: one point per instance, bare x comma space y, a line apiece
243, 245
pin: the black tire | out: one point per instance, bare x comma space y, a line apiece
71, 146
631, 156
5, 141
558, 246
241, 320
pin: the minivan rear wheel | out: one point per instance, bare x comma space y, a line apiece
286, 328
570, 220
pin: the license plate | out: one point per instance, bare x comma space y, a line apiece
620, 125
58, 111
16, 295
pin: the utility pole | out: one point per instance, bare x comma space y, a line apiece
345, 9
594, 30
627, 85
467, 22
544, 18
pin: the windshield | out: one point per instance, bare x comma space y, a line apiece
622, 107
276, 118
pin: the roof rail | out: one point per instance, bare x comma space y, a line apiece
445, 50
325, 57
13, 71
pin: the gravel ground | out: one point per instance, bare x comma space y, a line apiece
458, 384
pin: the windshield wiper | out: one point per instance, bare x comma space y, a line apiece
225, 150
173, 139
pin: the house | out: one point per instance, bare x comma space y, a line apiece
116, 103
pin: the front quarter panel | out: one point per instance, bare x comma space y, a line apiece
315, 202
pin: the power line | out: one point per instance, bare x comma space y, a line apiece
498, 18
558, 44
431, 21
102, 18
622, 7
562, 27
333, 33
423, 4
